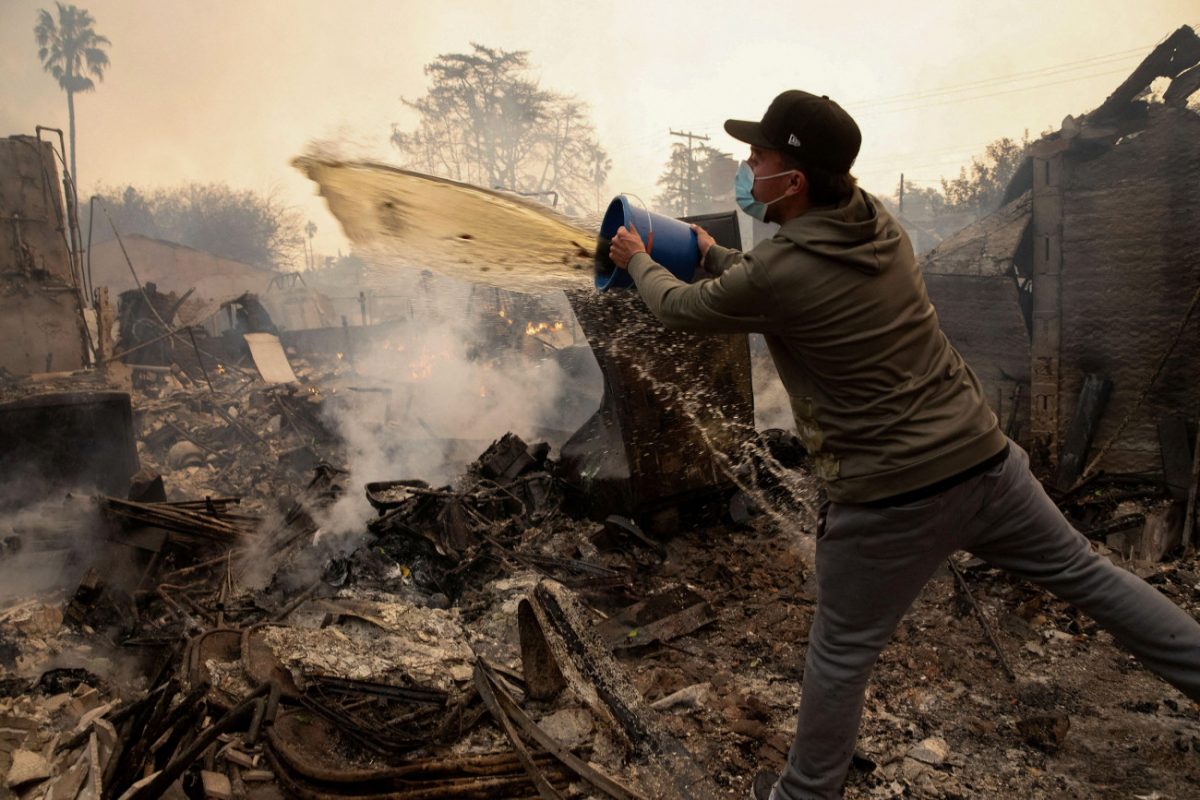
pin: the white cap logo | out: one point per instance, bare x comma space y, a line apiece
792, 140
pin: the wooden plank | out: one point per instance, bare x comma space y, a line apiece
1174, 444
1093, 399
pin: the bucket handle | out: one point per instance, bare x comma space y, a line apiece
649, 219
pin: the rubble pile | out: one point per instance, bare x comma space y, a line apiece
474, 640
231, 433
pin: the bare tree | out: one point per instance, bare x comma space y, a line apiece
485, 121
71, 51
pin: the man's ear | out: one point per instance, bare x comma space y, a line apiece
799, 181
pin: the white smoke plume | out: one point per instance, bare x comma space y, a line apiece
471, 364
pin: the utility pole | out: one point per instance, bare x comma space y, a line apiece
310, 254
901, 212
691, 177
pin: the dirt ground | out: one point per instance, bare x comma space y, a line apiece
1081, 720
1128, 733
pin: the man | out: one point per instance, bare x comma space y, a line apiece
912, 459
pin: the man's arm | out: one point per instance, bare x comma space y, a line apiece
740, 300
718, 259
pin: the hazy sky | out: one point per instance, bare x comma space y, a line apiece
231, 91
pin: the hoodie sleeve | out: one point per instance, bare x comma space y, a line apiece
718, 259
740, 300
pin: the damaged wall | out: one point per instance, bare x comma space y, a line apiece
972, 280
177, 268
33, 238
40, 323
1098, 259
1130, 265
174, 268
39, 327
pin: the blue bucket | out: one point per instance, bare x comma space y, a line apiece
668, 241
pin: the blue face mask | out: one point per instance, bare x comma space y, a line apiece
743, 189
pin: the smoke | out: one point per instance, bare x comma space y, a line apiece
471, 364
48, 545
772, 407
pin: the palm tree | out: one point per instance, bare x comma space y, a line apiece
71, 50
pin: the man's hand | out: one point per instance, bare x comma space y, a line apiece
625, 245
704, 239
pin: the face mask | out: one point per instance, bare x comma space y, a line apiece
743, 188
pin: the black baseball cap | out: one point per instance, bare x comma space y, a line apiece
813, 130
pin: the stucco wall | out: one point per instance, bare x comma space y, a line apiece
40, 323
30, 188
174, 268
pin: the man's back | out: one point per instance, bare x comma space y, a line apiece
881, 399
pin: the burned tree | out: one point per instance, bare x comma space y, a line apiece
487, 122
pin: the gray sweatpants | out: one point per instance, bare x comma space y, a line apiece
872, 563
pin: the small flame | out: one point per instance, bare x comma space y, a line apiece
421, 368
532, 329
340, 356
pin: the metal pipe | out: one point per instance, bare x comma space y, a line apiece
73, 237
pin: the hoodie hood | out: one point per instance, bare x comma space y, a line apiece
860, 233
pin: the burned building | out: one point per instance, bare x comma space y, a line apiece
41, 324
1090, 269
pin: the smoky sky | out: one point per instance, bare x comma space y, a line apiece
231, 91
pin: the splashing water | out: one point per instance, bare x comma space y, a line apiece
397, 218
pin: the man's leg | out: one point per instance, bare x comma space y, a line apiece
871, 564
1027, 535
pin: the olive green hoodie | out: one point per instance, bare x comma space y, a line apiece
881, 399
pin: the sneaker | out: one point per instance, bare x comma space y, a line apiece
763, 787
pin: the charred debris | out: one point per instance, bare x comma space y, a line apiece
621, 616
464, 642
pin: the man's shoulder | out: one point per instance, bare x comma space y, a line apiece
780, 255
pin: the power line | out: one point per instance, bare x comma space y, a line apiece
1020, 89
691, 164
1069, 66
893, 158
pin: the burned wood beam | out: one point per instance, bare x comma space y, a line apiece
457, 787
1189, 522
507, 708
983, 622
543, 680
181, 520
1180, 51
595, 676
487, 690
414, 694
1127, 522
1175, 448
667, 628
1184, 86
129, 754
176, 767
1093, 399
